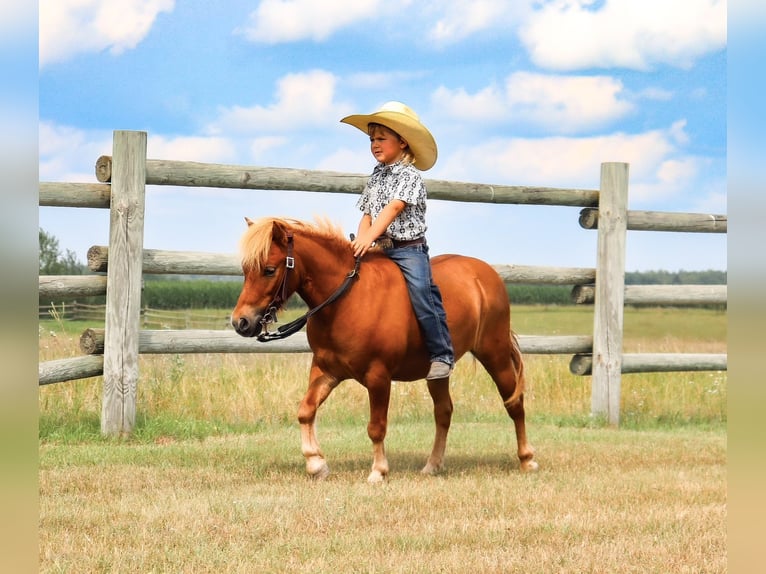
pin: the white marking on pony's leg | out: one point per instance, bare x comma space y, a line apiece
435, 462
320, 387
316, 465
379, 464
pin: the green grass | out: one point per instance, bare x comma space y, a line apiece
200, 395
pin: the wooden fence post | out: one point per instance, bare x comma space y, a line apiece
610, 292
123, 288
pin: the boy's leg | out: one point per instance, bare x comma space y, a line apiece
427, 305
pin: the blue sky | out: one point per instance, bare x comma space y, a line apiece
535, 93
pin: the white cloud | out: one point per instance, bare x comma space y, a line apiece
463, 18
277, 21
382, 80
71, 27
566, 104
303, 100
190, 148
488, 104
559, 104
69, 154
657, 167
656, 94
635, 34
713, 203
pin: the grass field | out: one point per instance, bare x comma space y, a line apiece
213, 480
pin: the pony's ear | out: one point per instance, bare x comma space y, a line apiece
249, 221
279, 233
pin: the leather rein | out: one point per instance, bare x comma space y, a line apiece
280, 298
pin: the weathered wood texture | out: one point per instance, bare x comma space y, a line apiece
610, 292
123, 289
186, 341
64, 287
195, 174
663, 295
663, 221
75, 194
70, 369
156, 261
532, 275
582, 364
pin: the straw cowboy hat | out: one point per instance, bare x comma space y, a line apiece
405, 122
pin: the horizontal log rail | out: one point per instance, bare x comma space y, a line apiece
185, 341
581, 364
70, 369
62, 287
669, 295
162, 262
196, 174
221, 341
663, 221
57, 194
197, 263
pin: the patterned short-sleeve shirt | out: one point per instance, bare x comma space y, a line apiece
397, 181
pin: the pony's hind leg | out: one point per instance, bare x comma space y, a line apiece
507, 371
440, 395
524, 450
320, 387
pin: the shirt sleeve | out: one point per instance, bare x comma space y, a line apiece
410, 187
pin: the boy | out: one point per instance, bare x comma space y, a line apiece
393, 207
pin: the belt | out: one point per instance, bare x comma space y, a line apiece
408, 242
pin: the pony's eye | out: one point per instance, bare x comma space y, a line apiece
269, 271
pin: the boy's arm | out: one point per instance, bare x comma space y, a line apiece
369, 230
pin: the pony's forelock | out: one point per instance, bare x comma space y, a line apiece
256, 241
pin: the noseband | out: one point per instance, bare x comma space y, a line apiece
270, 316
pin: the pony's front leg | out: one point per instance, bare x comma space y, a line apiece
320, 387
379, 395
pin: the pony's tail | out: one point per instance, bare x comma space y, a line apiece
518, 366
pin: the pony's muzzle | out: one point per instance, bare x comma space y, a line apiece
246, 327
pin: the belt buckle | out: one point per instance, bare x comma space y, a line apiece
384, 242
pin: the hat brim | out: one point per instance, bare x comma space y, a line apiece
420, 140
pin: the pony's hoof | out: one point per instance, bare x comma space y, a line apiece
317, 469
529, 466
431, 469
376, 477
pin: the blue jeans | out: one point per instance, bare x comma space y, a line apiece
426, 300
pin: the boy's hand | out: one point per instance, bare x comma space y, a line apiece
362, 243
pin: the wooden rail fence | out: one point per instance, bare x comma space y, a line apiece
123, 176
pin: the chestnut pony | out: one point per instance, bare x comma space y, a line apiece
361, 326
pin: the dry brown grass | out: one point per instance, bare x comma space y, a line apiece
603, 501
650, 497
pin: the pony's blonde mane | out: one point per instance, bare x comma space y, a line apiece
256, 241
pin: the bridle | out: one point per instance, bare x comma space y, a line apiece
280, 297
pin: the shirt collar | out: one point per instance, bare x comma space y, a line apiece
395, 167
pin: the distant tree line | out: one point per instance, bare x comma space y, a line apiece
53, 261
709, 277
